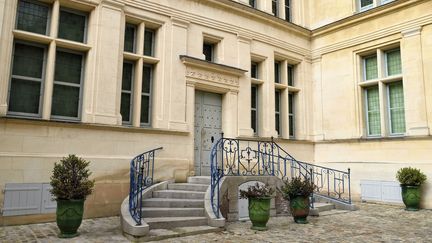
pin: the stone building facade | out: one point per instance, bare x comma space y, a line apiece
343, 84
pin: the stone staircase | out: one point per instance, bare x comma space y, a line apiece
180, 205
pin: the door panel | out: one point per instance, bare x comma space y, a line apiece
208, 123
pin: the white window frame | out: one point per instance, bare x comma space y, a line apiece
80, 86
41, 80
364, 66
367, 113
386, 63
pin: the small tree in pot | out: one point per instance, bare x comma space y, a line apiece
298, 191
70, 186
259, 204
411, 179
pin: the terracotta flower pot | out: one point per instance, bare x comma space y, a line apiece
69, 216
259, 212
299, 206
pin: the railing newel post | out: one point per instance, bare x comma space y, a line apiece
349, 185
312, 181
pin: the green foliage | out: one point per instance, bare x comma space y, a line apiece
410, 176
70, 178
257, 191
297, 187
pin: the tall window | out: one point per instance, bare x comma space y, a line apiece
254, 108
137, 85
278, 112
277, 72
291, 116
288, 10
33, 17
290, 75
126, 93
130, 38
27, 79
30, 63
67, 84
364, 5
392, 99
208, 51
275, 7
72, 25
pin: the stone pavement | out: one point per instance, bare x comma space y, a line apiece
372, 223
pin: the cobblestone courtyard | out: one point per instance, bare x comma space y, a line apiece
372, 223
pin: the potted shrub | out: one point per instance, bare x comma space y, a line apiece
410, 180
298, 191
259, 204
70, 186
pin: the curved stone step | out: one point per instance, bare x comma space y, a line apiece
188, 187
173, 203
173, 222
179, 194
172, 212
199, 180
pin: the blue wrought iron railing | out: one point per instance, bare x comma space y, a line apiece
141, 177
242, 157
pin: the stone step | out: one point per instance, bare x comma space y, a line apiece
179, 194
199, 180
321, 207
162, 234
172, 212
173, 203
188, 187
173, 222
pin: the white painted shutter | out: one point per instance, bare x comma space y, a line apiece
22, 199
382, 191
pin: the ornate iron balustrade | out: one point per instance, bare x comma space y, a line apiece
242, 157
141, 177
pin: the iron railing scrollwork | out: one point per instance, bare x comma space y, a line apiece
242, 157
141, 177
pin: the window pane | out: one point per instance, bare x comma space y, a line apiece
252, 3
65, 101
148, 42
277, 101
364, 3
254, 70
373, 111
129, 40
254, 120
68, 67
145, 109
277, 72
277, 123
290, 75
291, 113
32, 17
125, 107
208, 52
127, 76
254, 97
371, 68
72, 26
396, 105
28, 61
24, 96
275, 7
287, 10
146, 79
394, 65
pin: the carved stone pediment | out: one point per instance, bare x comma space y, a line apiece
209, 74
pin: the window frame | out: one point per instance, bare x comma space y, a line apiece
386, 62
364, 67
278, 72
49, 17
81, 87
134, 45
253, 3
275, 11
389, 109
77, 12
152, 48
288, 16
131, 92
278, 95
42, 81
142, 124
367, 7
256, 109
255, 75
291, 113
212, 51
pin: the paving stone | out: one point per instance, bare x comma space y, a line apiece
371, 223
